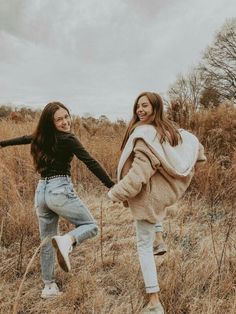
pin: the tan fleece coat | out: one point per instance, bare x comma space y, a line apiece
153, 176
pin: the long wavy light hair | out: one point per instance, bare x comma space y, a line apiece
166, 129
44, 137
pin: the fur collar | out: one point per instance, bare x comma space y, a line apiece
178, 161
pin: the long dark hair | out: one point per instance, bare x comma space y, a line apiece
44, 137
166, 129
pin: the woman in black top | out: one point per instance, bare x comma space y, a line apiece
53, 147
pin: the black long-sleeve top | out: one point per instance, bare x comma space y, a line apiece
67, 146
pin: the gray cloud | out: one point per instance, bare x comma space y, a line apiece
97, 56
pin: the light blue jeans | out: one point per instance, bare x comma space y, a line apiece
53, 198
145, 234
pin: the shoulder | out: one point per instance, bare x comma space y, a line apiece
141, 145
141, 137
69, 139
141, 148
66, 136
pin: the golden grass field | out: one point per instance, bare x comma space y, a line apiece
198, 273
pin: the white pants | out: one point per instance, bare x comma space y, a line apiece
145, 233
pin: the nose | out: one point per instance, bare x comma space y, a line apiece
139, 110
64, 121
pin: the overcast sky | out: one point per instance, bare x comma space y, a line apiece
96, 56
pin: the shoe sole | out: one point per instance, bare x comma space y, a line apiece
51, 296
60, 258
154, 309
159, 253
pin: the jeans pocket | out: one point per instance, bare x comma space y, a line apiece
71, 194
60, 195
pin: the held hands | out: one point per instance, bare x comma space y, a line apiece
114, 200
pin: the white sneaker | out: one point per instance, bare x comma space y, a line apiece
154, 309
63, 246
50, 290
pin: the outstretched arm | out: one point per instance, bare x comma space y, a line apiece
90, 162
22, 140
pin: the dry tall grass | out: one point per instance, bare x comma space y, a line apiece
197, 275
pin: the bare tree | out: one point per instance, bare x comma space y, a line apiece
212, 82
187, 90
184, 97
219, 63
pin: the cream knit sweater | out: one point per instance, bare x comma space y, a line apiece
153, 176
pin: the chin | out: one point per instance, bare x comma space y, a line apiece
65, 130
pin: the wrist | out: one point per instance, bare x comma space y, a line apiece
112, 197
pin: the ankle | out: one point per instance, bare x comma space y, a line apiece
154, 298
159, 237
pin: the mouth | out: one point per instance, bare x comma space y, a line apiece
67, 127
142, 116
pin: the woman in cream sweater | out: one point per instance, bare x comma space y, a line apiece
155, 168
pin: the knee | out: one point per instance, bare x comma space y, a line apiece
144, 244
46, 235
145, 240
47, 247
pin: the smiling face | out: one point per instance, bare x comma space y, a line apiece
144, 109
62, 120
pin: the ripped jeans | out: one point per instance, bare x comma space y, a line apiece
53, 198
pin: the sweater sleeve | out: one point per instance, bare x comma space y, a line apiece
22, 140
143, 167
82, 154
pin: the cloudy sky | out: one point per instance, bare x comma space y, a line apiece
96, 56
